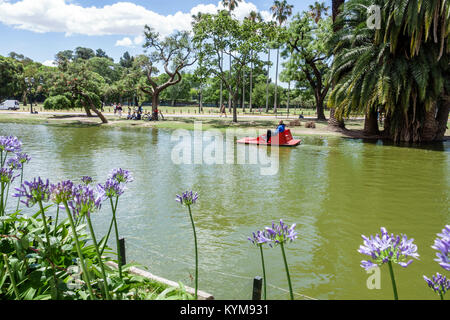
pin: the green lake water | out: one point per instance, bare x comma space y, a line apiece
334, 189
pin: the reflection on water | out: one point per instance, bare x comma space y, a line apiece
334, 189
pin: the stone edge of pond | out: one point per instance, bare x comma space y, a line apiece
201, 294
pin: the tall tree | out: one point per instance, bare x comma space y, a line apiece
253, 17
334, 123
222, 33
281, 12
84, 53
401, 69
231, 5
307, 43
317, 10
174, 52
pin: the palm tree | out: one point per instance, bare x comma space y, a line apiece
281, 11
333, 123
253, 17
197, 18
231, 5
317, 10
403, 69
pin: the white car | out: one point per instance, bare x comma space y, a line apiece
9, 105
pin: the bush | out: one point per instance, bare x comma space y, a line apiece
310, 125
58, 102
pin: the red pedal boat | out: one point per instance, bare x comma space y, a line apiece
284, 139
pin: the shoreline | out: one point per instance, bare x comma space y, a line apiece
354, 127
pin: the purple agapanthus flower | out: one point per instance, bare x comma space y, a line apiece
439, 283
33, 192
23, 157
87, 180
86, 200
442, 245
259, 237
62, 192
121, 175
13, 163
385, 248
188, 198
281, 233
112, 188
10, 144
7, 175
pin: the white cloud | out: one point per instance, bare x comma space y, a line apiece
48, 63
125, 42
121, 18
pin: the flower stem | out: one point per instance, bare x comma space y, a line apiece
80, 255
94, 240
56, 221
287, 271
21, 181
49, 249
119, 254
264, 271
111, 224
442, 296
11, 276
196, 253
394, 286
1, 202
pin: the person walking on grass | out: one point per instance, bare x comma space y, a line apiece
223, 111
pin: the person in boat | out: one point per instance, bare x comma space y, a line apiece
280, 129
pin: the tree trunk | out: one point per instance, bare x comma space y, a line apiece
155, 105
421, 126
371, 123
267, 84
235, 108
275, 103
24, 98
289, 96
333, 123
319, 107
92, 106
250, 102
229, 90
243, 91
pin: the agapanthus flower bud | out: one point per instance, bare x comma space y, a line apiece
121, 175
439, 283
33, 192
85, 200
7, 175
112, 188
188, 198
61, 192
259, 237
281, 233
86, 180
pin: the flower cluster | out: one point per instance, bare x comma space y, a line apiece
281, 233
112, 188
385, 248
7, 175
116, 183
259, 237
442, 245
121, 175
86, 180
61, 192
188, 198
439, 283
10, 144
85, 200
33, 192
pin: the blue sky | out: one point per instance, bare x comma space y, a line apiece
39, 29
